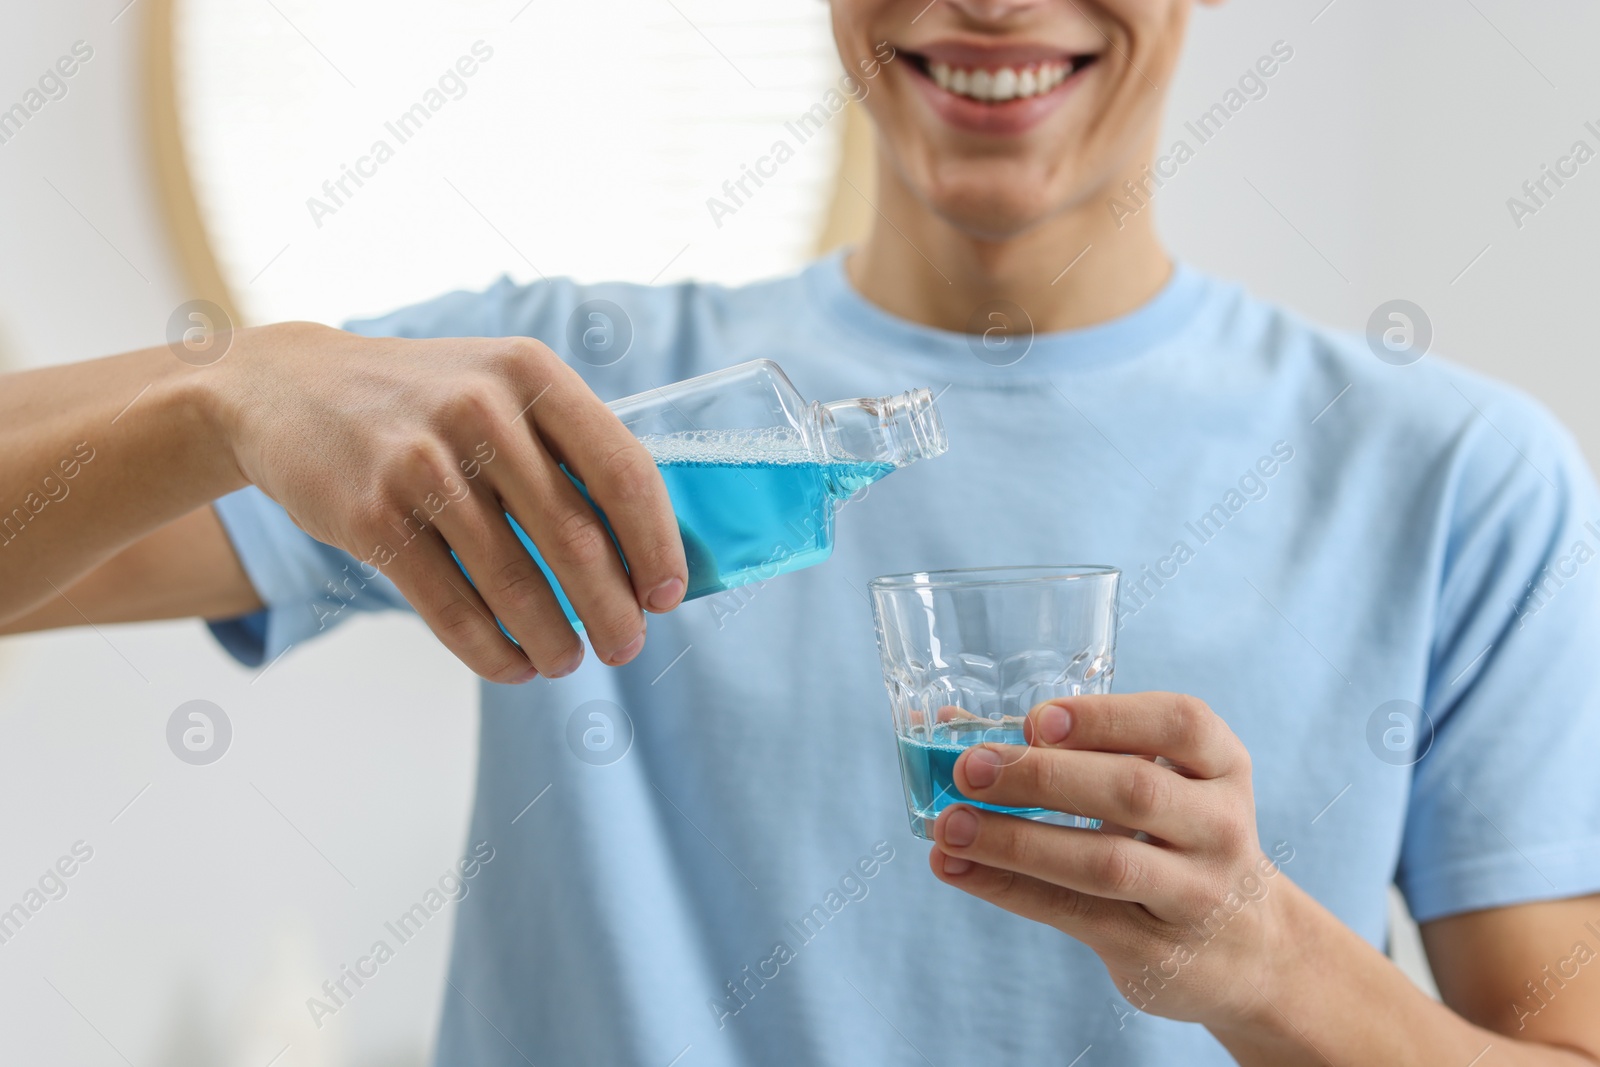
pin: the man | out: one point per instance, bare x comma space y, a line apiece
1357, 640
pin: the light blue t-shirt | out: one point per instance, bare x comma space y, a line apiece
1308, 534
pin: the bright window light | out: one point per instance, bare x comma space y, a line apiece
350, 157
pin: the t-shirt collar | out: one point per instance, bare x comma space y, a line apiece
1124, 337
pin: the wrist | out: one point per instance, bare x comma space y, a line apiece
1268, 985
205, 404
1314, 977
230, 394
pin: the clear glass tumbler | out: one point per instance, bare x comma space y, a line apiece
968, 653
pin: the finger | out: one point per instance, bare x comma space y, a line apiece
574, 543
1125, 790
432, 583
623, 481
511, 584
948, 713
1172, 725
1080, 915
1102, 865
951, 713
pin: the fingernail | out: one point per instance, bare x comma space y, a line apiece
983, 767
665, 595
956, 865
961, 828
631, 650
1054, 722
527, 676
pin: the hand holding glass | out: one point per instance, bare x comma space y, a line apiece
968, 653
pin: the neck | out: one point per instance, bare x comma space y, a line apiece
917, 265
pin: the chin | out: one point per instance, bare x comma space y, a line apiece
991, 218
994, 206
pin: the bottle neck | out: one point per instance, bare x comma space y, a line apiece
888, 431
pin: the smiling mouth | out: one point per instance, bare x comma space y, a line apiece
997, 84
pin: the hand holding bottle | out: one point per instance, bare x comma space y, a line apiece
401, 451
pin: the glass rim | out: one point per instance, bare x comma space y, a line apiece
980, 577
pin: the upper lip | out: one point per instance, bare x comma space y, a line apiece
974, 55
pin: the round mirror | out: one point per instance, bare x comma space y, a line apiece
348, 157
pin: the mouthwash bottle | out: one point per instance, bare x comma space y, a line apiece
755, 472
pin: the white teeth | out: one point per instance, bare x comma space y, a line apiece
1006, 83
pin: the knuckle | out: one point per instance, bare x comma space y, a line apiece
1202, 904
535, 368
628, 471
519, 587
1049, 775
1017, 843
580, 539
1234, 829
1242, 764
1148, 790
459, 625
417, 462
462, 629
1235, 838
1117, 869
524, 352
1072, 907
374, 517
655, 558
1191, 718
1137, 932
474, 404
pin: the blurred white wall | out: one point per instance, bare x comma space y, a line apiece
208, 913
1382, 158
1376, 166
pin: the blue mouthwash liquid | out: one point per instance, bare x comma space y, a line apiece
751, 505
928, 765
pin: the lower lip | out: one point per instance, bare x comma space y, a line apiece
1000, 120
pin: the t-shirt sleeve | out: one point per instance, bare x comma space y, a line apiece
308, 587
1504, 807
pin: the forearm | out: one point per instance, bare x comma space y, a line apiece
94, 456
186, 569
1333, 999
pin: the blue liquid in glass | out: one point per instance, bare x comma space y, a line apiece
928, 767
751, 505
